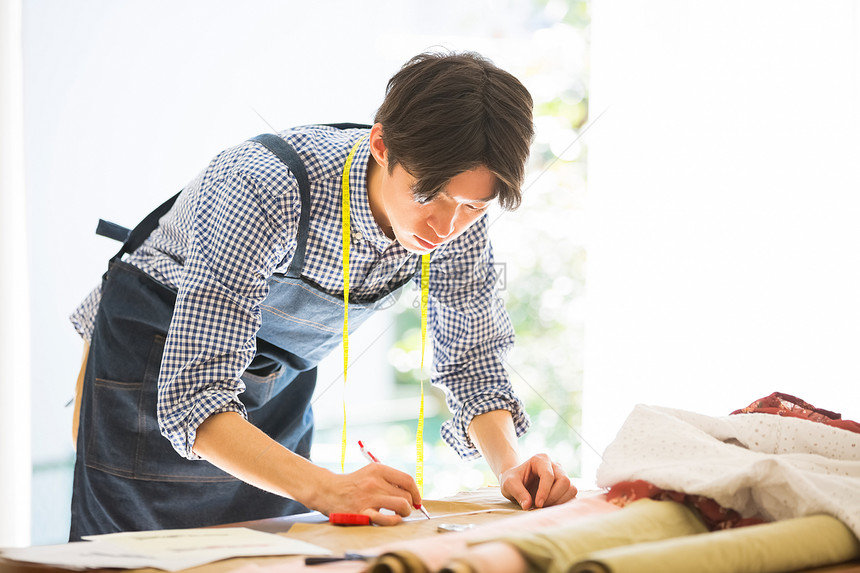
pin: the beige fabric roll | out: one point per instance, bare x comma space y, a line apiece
555, 550
789, 545
436, 550
400, 562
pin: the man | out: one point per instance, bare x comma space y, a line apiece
209, 332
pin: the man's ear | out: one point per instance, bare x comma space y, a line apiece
377, 145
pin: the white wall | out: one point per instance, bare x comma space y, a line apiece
14, 327
724, 204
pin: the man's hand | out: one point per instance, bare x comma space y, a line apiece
368, 490
539, 482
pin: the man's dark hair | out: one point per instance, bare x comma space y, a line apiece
446, 113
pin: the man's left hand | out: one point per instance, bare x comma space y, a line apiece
539, 482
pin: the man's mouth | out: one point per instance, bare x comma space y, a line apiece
426, 244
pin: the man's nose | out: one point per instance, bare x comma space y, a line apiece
441, 220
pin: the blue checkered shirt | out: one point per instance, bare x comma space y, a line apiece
235, 224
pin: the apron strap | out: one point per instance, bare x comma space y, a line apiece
138, 235
112, 231
288, 155
348, 125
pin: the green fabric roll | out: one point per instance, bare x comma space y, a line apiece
557, 549
788, 545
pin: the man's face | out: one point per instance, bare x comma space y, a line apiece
421, 227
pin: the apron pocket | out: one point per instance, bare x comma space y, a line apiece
125, 439
113, 441
260, 389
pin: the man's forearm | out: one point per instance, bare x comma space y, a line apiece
494, 435
233, 444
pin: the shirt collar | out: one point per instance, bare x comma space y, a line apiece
361, 217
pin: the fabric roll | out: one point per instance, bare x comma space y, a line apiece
789, 545
494, 556
435, 551
556, 549
400, 562
458, 567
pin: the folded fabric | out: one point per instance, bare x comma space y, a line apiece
789, 545
759, 465
556, 549
709, 511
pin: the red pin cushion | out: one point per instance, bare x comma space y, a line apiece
349, 519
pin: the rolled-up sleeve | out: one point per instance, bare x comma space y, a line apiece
242, 228
472, 333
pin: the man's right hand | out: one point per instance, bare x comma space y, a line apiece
368, 490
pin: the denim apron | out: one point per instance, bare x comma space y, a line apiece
127, 475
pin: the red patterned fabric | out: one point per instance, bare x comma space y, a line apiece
713, 515
786, 405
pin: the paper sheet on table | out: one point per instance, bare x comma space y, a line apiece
170, 550
78, 555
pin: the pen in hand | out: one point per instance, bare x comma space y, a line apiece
371, 458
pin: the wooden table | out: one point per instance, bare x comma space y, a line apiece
314, 528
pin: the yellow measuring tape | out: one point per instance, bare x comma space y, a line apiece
419, 435
345, 228
425, 295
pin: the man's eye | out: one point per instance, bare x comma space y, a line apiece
423, 199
